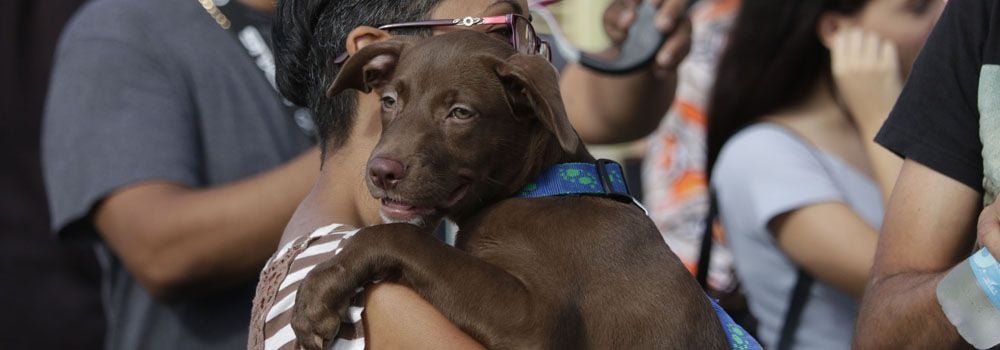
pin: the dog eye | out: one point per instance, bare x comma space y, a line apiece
388, 102
460, 113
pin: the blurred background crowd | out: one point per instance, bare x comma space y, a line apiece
152, 168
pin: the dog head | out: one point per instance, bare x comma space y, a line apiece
466, 121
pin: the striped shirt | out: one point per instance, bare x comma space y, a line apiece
270, 323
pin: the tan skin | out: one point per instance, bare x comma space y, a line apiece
929, 227
867, 75
932, 223
395, 316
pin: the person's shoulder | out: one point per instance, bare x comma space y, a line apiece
126, 21
759, 152
758, 143
972, 12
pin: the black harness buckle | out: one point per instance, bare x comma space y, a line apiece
609, 189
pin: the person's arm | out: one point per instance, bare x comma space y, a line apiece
396, 317
866, 71
768, 181
122, 156
928, 228
179, 240
612, 109
831, 242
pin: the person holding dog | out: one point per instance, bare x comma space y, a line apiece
349, 127
166, 143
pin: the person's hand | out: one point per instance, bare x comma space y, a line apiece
867, 75
671, 19
988, 229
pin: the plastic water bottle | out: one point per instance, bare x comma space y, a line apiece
970, 296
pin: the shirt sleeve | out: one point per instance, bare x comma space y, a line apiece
114, 116
936, 120
765, 172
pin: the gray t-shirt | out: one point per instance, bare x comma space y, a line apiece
765, 171
156, 90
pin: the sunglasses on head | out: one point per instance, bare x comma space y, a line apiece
522, 35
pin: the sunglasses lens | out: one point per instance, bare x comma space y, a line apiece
527, 41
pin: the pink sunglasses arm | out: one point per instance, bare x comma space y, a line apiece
505, 19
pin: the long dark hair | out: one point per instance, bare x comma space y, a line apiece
773, 60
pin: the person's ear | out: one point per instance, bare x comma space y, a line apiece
829, 24
363, 36
368, 68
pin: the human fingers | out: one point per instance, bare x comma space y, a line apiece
669, 14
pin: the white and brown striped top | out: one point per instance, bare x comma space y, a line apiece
270, 323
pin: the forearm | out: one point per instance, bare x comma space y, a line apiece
230, 231
612, 109
180, 241
927, 230
901, 312
396, 317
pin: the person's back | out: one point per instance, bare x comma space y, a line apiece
156, 90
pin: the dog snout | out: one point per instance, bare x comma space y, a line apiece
385, 173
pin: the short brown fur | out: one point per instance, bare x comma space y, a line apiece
556, 272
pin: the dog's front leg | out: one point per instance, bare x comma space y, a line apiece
483, 300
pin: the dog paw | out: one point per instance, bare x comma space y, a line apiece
320, 306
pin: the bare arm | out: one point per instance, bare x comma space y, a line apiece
179, 240
613, 109
830, 242
396, 317
929, 227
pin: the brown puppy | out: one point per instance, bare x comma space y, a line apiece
466, 123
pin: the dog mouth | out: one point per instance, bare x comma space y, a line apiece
394, 209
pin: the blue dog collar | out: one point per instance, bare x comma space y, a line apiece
603, 178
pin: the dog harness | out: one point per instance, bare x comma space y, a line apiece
606, 178
603, 178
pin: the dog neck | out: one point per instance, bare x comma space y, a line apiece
543, 151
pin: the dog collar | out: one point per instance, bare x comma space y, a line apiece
604, 178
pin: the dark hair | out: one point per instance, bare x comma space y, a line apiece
774, 59
310, 34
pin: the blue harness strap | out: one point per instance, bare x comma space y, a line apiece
606, 178
739, 338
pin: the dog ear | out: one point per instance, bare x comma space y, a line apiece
370, 68
531, 82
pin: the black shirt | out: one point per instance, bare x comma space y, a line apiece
936, 121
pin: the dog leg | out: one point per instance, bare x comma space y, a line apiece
488, 303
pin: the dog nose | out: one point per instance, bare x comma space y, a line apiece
385, 173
